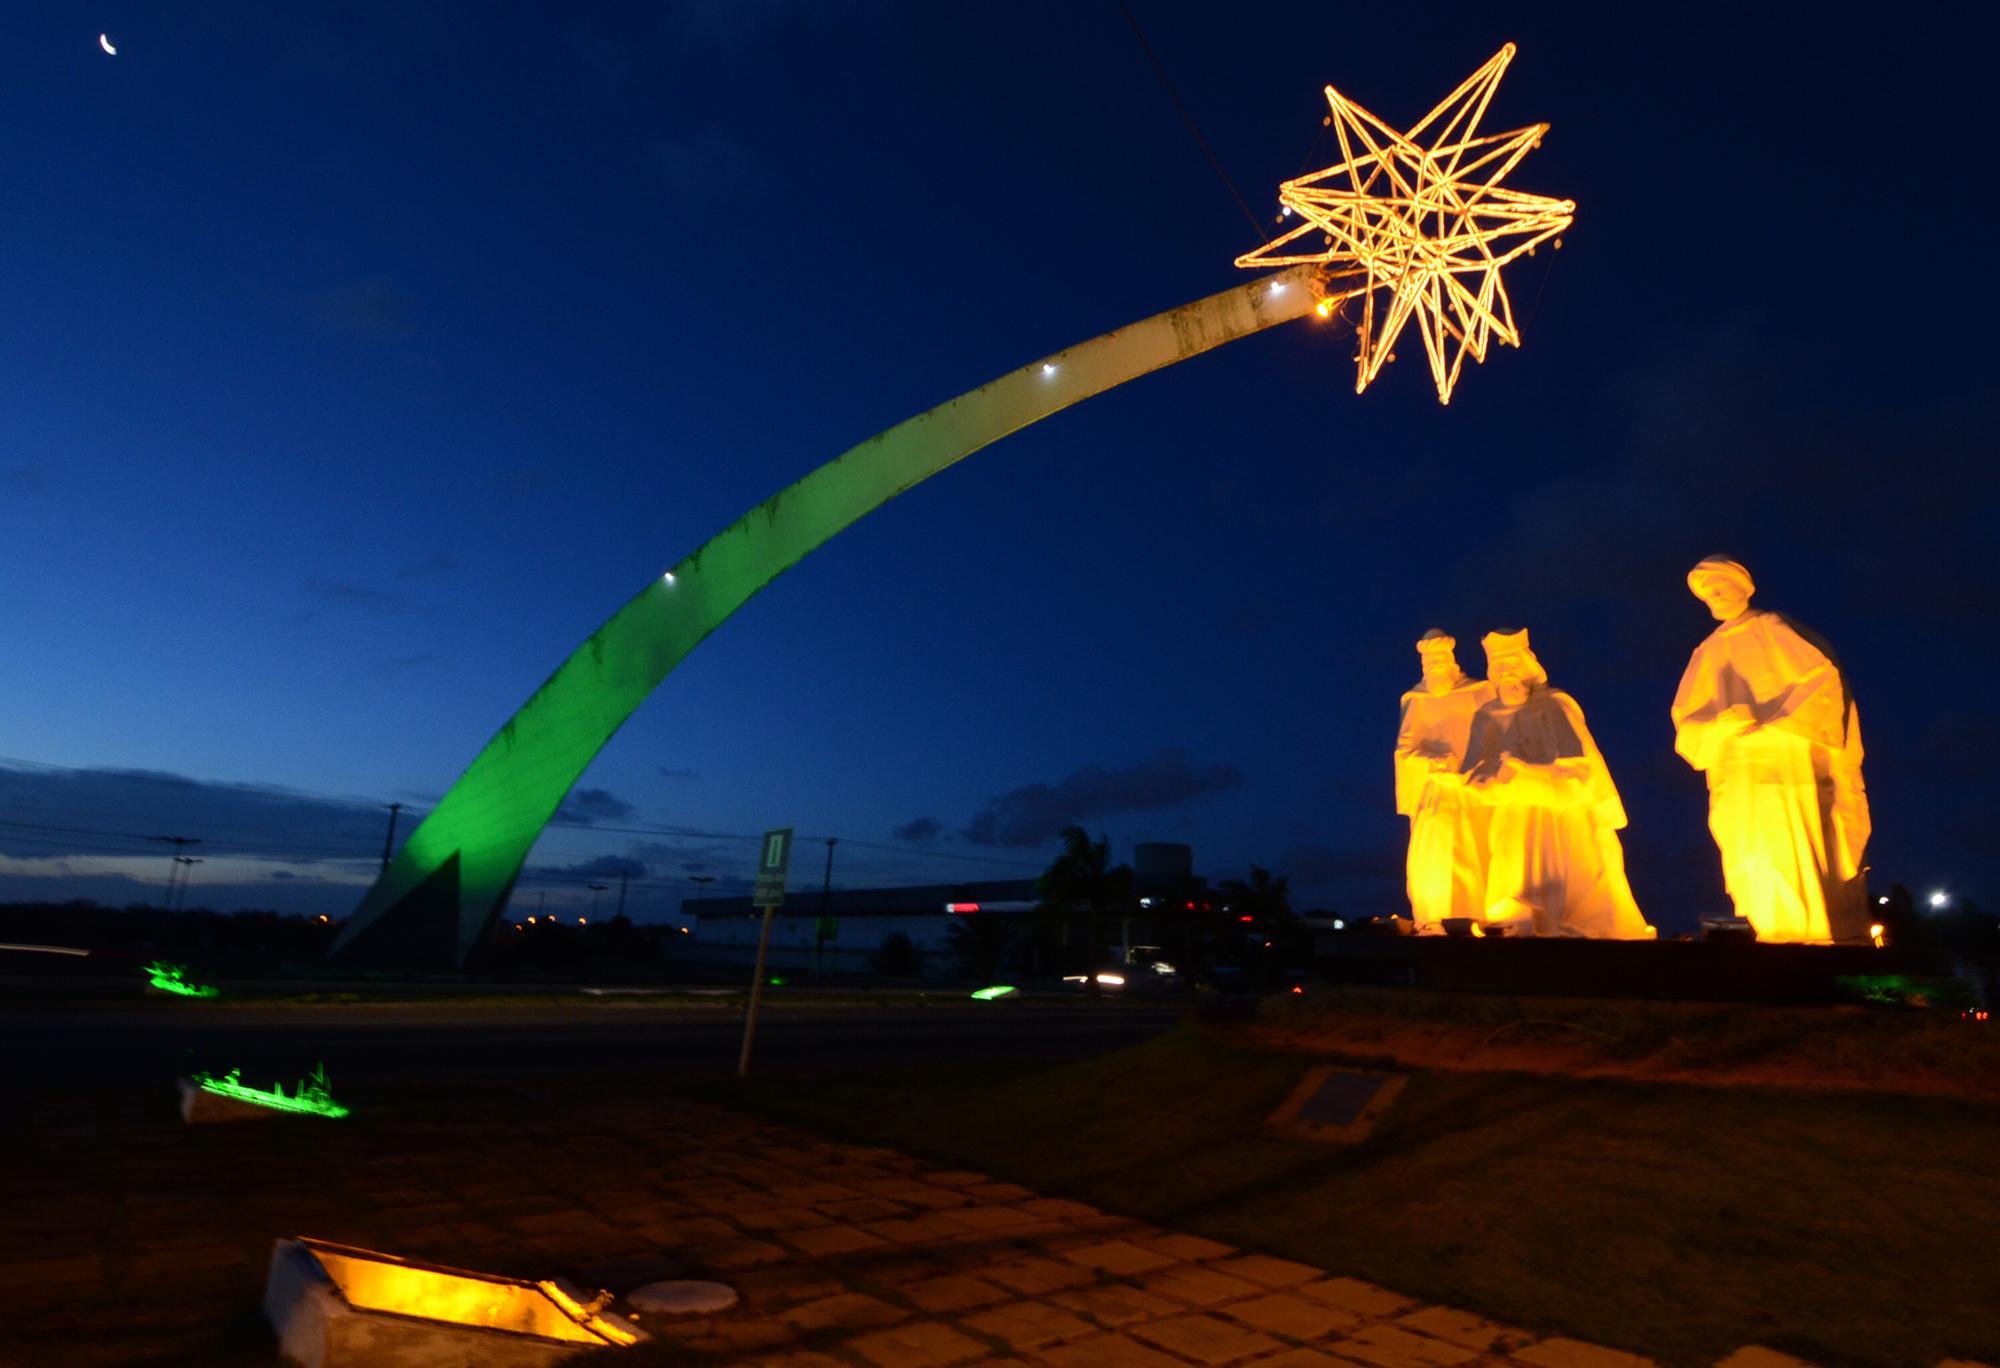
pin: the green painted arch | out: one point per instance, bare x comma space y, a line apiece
441, 894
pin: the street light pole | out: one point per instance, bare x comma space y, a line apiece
389, 841
187, 864
825, 906
179, 843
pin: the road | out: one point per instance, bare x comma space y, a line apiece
57, 1043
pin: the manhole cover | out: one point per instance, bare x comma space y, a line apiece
1337, 1104
1341, 1099
680, 1298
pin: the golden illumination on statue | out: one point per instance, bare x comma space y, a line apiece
1764, 711
1446, 866
1425, 221
1554, 866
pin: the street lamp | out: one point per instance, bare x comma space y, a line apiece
1940, 898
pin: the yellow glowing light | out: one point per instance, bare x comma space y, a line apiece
383, 1282
1428, 224
1875, 934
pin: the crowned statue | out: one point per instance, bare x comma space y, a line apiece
1446, 866
1764, 711
1554, 865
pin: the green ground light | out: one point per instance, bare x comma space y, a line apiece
440, 896
312, 1098
172, 978
998, 990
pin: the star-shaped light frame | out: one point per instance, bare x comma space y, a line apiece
1428, 224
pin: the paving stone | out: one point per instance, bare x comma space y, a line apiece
830, 1239
782, 1218
1293, 1316
1756, 1356
1000, 1192
1187, 1248
956, 1177
1961, 1363
1352, 1294
1561, 1352
1462, 1327
922, 1344
923, 1229
989, 1218
1108, 1351
1199, 1285
1119, 1257
1059, 1208
726, 1338
864, 1209
1386, 1346
1115, 1304
954, 1292
1272, 1272
66, 1272
934, 1198
1035, 1276
1205, 1339
842, 1311
742, 1252
1028, 1325
1302, 1357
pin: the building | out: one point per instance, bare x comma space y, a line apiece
845, 932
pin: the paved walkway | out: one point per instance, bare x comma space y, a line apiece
126, 1237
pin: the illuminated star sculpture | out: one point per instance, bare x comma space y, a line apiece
1428, 224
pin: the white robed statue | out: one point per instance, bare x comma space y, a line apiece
1765, 713
1446, 866
1554, 863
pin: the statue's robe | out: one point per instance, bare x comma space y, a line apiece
1785, 800
1554, 866
1446, 865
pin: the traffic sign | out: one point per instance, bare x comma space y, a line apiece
771, 865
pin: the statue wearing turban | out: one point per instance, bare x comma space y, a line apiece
1446, 865
1554, 863
1764, 711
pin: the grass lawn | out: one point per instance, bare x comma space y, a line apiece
1677, 1221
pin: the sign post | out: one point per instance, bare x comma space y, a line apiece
769, 892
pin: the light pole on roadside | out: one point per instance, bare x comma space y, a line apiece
389, 841
595, 890
179, 843
187, 864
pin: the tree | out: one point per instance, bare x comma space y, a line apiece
1078, 889
977, 943
1259, 925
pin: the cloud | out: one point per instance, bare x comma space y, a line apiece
45, 811
921, 830
357, 595
1035, 813
602, 867
666, 773
586, 806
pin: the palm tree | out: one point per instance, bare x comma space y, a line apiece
1082, 884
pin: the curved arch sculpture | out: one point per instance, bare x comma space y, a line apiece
443, 891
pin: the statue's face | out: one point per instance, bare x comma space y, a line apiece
1724, 596
1511, 675
1440, 670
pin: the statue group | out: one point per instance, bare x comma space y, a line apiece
1514, 819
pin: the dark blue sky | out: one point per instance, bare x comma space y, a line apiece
357, 364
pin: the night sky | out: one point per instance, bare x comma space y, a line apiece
355, 364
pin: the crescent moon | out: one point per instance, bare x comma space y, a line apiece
104, 42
